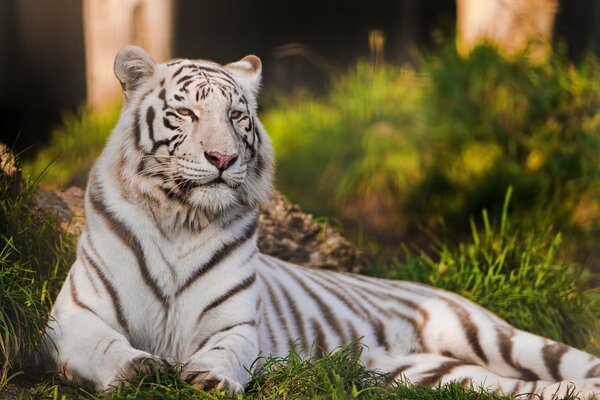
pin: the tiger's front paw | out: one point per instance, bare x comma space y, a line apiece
206, 380
142, 365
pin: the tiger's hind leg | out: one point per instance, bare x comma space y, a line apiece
431, 370
454, 327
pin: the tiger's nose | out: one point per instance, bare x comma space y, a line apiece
221, 161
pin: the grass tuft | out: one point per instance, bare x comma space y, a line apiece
514, 272
34, 258
335, 375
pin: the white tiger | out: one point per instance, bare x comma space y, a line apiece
168, 269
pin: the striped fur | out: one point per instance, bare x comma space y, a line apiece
168, 269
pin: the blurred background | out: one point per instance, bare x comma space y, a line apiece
398, 120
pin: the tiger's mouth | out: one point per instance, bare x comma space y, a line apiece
186, 185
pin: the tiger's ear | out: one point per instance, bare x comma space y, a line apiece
133, 66
248, 73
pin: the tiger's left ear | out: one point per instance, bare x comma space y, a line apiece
248, 73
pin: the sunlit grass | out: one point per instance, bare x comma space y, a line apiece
338, 375
513, 270
73, 148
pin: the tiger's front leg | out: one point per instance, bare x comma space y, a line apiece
222, 362
85, 343
228, 341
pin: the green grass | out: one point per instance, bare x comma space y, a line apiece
34, 258
338, 375
73, 148
511, 270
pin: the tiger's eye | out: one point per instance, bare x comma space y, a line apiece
185, 112
235, 114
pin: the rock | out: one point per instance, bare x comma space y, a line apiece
10, 171
285, 231
68, 204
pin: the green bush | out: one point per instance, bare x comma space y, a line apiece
401, 150
73, 148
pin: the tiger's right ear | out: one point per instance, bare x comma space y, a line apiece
133, 66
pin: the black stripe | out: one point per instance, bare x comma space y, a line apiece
293, 306
221, 254
385, 296
593, 372
505, 344
164, 142
74, 296
188, 83
150, 114
267, 322
394, 375
553, 354
320, 342
90, 278
162, 95
179, 71
137, 130
168, 125
109, 346
215, 70
471, 329
274, 300
356, 339
114, 296
227, 328
128, 238
185, 78
379, 329
337, 294
174, 62
172, 114
240, 287
326, 311
435, 375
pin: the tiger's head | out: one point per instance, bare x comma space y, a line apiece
191, 130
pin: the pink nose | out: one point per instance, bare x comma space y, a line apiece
222, 162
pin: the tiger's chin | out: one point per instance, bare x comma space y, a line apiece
214, 198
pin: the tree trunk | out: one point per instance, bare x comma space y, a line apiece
111, 24
512, 26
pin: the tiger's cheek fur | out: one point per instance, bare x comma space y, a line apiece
168, 269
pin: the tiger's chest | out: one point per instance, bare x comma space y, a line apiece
182, 280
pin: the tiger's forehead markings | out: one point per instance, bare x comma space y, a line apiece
208, 78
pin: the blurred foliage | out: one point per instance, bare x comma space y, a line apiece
401, 149
73, 148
